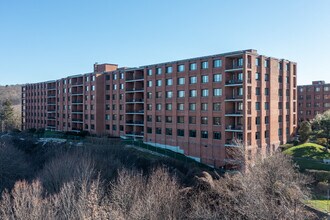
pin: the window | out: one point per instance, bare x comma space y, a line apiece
204, 106
181, 93
149, 107
158, 107
193, 93
169, 94
149, 118
149, 95
180, 106
266, 119
266, 91
193, 79
217, 77
158, 131
257, 62
257, 76
217, 106
193, 66
205, 92
217, 92
181, 81
266, 77
149, 83
240, 62
169, 82
149, 130
205, 65
159, 71
257, 105
192, 120
266, 63
158, 94
168, 106
217, 135
180, 119
204, 120
192, 106
266, 105
317, 89
280, 132
205, 79
121, 86
257, 91
204, 134
180, 68
216, 120
169, 69
159, 82
180, 132
192, 133
217, 63
257, 135
114, 87
168, 119
168, 131
257, 120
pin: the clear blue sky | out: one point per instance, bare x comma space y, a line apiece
45, 40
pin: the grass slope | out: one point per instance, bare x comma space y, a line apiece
309, 156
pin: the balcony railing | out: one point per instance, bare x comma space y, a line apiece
134, 89
234, 113
234, 128
234, 68
135, 100
134, 133
233, 98
134, 122
135, 112
136, 78
234, 82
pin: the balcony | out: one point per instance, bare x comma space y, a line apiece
234, 68
234, 128
141, 112
51, 88
234, 98
77, 111
77, 102
51, 118
75, 84
135, 100
233, 82
134, 79
234, 114
134, 134
75, 120
232, 143
132, 90
135, 123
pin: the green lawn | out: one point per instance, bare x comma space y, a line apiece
322, 205
309, 156
308, 150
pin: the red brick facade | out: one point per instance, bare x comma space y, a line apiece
312, 100
195, 106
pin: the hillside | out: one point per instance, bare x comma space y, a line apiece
309, 156
13, 93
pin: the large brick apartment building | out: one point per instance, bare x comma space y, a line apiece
196, 106
313, 99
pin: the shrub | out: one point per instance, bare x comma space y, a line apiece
319, 175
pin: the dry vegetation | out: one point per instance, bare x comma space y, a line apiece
13, 94
113, 182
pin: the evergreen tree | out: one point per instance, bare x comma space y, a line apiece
7, 116
304, 131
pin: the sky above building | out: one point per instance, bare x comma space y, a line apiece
46, 40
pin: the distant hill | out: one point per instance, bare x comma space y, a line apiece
12, 92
